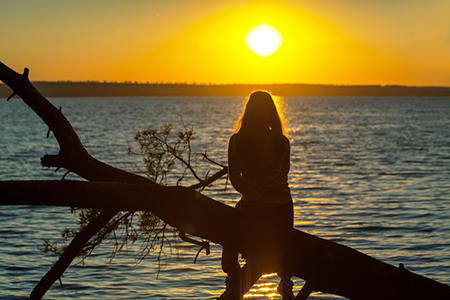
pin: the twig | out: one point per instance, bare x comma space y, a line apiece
204, 244
210, 180
12, 95
65, 174
212, 161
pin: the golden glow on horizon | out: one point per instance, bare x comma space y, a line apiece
324, 42
212, 51
263, 39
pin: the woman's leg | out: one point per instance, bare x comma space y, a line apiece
249, 276
230, 265
286, 284
285, 288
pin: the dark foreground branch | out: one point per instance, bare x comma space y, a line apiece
70, 253
326, 266
73, 157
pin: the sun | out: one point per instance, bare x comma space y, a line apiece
263, 39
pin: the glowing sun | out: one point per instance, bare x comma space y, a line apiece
263, 39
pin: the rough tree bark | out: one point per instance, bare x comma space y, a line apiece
326, 266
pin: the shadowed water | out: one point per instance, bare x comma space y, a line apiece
370, 173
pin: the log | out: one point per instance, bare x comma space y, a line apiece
328, 267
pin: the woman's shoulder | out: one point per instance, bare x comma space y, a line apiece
284, 143
233, 138
232, 142
283, 140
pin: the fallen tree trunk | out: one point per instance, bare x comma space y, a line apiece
327, 266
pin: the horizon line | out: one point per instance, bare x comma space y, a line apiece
231, 84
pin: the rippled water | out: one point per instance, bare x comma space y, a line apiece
370, 173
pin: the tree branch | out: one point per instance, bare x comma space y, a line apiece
70, 253
73, 157
211, 179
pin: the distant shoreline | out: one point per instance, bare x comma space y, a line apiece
128, 89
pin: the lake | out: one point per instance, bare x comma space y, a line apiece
369, 173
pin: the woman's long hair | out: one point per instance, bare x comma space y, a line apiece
260, 117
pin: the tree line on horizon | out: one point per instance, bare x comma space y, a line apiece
136, 89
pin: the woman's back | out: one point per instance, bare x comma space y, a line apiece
259, 167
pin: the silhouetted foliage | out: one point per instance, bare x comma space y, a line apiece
161, 149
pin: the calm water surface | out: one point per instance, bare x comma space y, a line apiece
370, 173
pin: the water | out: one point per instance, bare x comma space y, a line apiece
370, 173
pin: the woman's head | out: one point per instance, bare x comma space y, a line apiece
260, 116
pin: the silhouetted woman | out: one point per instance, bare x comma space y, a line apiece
258, 166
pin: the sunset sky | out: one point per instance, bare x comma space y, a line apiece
403, 42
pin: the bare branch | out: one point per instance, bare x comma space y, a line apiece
210, 179
205, 156
73, 157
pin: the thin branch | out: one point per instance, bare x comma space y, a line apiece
210, 180
203, 244
69, 254
188, 140
12, 95
172, 151
212, 161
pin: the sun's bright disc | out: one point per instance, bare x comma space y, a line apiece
263, 39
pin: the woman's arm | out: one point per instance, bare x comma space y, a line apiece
286, 155
234, 170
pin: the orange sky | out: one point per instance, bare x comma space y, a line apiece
325, 42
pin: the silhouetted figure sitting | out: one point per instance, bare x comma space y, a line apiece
258, 166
